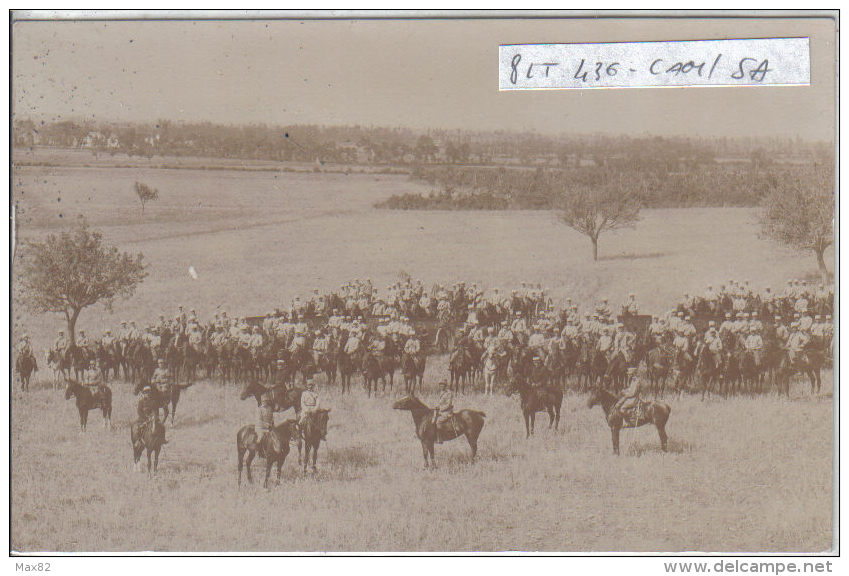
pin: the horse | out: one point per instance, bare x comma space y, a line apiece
709, 372
491, 369
164, 398
346, 369
468, 423
86, 400
76, 358
658, 368
460, 367
372, 372
148, 436
313, 431
535, 400
648, 412
281, 398
248, 442
412, 367
55, 361
25, 365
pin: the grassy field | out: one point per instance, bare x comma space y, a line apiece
742, 474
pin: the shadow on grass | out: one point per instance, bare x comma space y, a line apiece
674, 446
194, 421
633, 256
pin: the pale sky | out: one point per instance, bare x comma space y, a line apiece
421, 73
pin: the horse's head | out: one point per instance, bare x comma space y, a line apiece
595, 397
247, 390
70, 389
409, 402
320, 419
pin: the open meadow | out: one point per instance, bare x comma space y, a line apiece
741, 474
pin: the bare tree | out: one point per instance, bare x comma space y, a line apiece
799, 211
145, 193
593, 209
75, 270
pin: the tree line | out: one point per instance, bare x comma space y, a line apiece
376, 145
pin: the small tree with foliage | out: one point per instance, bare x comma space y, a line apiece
145, 193
75, 270
799, 211
592, 209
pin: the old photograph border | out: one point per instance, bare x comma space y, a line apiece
318, 15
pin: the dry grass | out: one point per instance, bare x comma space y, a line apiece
743, 474
747, 475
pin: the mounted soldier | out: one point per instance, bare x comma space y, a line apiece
444, 410
309, 403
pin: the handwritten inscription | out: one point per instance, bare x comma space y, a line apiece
648, 64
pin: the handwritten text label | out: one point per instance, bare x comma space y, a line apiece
752, 62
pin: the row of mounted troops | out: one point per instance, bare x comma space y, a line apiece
491, 336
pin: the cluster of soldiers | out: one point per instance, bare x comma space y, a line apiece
356, 317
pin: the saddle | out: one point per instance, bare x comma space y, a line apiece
633, 411
446, 427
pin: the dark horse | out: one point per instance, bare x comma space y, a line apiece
649, 412
413, 367
87, 401
468, 423
247, 441
148, 436
314, 430
538, 400
25, 365
281, 398
164, 398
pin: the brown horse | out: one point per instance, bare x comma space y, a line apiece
86, 400
314, 430
147, 436
248, 442
468, 423
281, 398
164, 398
25, 365
648, 412
413, 367
535, 400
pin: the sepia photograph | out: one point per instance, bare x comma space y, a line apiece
423, 283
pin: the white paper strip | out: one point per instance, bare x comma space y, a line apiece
747, 62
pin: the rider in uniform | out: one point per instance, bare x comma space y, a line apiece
444, 407
160, 377
93, 378
309, 402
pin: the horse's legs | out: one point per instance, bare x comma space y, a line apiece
148, 462
300, 445
268, 464
661, 431
307, 448
527, 425
430, 451
314, 456
533, 420
614, 433
155, 460
248, 462
473, 444
240, 458
550, 416
557, 408
424, 453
